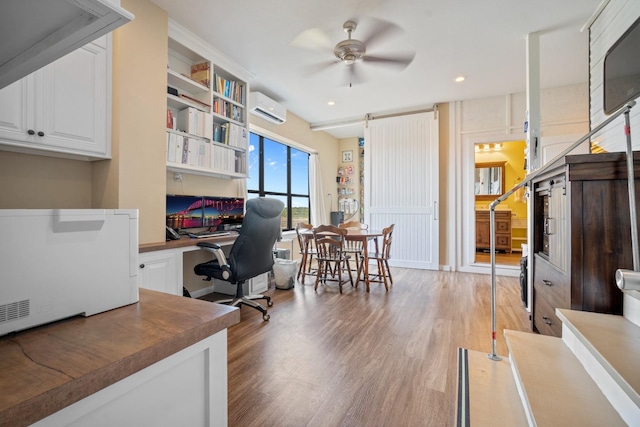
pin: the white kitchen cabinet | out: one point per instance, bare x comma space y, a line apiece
63, 109
159, 271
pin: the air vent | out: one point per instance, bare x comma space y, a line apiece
14, 310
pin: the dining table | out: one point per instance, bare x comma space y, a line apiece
364, 236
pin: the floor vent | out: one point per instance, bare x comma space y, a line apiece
14, 310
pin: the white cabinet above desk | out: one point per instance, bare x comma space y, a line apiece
63, 109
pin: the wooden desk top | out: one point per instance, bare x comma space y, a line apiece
47, 368
185, 241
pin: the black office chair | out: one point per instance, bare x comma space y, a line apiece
251, 253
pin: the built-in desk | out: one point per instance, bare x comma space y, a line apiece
159, 362
162, 267
187, 243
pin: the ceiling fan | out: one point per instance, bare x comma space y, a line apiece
351, 52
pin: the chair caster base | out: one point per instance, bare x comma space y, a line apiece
266, 317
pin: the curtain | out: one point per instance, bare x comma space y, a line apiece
316, 192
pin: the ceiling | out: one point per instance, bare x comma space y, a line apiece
485, 41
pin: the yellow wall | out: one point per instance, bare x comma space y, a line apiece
135, 177
512, 152
39, 182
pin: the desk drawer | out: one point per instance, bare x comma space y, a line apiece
552, 283
551, 290
545, 320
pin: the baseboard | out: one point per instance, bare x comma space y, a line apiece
201, 292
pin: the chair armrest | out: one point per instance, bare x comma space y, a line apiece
217, 251
209, 246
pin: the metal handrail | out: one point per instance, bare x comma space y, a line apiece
632, 206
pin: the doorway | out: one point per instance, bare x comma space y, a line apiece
499, 166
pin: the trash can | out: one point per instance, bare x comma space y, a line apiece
337, 217
284, 273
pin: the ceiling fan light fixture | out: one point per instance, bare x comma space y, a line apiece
350, 51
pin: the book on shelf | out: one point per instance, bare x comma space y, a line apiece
220, 132
228, 110
223, 159
188, 151
196, 122
236, 135
230, 88
169, 119
201, 73
195, 100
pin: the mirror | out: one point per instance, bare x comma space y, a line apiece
489, 180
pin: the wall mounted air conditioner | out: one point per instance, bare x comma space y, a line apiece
264, 107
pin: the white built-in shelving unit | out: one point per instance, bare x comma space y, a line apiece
207, 131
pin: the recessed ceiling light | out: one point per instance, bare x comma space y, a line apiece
460, 79
331, 103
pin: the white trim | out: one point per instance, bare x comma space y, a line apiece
282, 139
594, 15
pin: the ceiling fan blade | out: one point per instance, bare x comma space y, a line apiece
311, 69
378, 30
400, 61
313, 38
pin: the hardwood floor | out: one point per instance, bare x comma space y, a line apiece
358, 359
512, 258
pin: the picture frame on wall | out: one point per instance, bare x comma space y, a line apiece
347, 156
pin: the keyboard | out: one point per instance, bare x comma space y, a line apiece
203, 234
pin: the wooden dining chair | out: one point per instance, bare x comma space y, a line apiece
381, 256
354, 248
307, 249
331, 258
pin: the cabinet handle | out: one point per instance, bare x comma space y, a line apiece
40, 133
31, 132
141, 265
546, 320
547, 282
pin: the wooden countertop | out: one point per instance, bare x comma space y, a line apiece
47, 368
185, 241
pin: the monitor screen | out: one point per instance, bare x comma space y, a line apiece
622, 70
223, 213
184, 211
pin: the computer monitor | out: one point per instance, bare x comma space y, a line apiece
184, 211
223, 213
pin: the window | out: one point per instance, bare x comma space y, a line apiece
282, 172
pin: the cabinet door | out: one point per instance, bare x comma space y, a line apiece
259, 284
483, 228
62, 108
15, 119
72, 110
159, 272
556, 225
